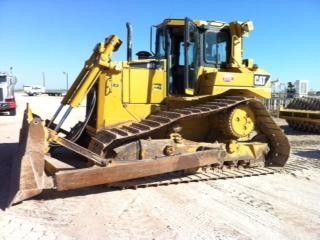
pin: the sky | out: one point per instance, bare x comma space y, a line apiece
41, 39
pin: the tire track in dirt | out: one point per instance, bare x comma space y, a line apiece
274, 190
173, 217
15, 227
289, 211
238, 209
230, 218
56, 213
117, 215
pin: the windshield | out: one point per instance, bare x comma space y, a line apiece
3, 79
216, 47
160, 44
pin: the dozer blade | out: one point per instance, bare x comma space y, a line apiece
27, 179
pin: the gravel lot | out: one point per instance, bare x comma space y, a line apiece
279, 206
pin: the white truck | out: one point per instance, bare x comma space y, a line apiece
34, 90
7, 98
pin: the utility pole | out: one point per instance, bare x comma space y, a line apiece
43, 79
67, 79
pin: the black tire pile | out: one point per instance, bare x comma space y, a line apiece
310, 118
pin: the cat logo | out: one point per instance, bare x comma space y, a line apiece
261, 80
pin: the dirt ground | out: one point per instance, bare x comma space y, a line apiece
278, 206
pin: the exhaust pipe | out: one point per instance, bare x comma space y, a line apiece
129, 42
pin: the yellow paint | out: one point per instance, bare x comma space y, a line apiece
130, 91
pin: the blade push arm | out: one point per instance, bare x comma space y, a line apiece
100, 60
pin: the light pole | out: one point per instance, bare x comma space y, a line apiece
43, 79
67, 80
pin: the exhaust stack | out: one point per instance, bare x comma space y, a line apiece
129, 42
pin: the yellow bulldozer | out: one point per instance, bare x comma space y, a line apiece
190, 106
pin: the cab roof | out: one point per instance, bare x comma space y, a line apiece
198, 23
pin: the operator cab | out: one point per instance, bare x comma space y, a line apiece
187, 45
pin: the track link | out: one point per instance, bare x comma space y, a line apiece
108, 139
182, 177
209, 175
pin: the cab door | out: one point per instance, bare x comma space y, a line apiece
190, 55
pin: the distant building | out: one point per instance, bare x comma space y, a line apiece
277, 87
302, 88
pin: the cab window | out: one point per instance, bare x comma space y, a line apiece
216, 47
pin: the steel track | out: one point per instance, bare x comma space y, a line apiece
108, 139
210, 174
278, 143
